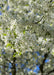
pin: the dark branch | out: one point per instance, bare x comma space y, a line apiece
50, 72
51, 1
38, 21
43, 62
13, 64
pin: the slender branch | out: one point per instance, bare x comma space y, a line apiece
43, 62
7, 59
50, 72
38, 21
51, 1
13, 64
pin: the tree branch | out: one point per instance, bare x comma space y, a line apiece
38, 21
43, 62
50, 72
13, 64
51, 1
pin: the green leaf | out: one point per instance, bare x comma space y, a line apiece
3, 11
20, 53
14, 55
52, 2
16, 52
24, 32
31, 47
5, 2
45, 39
51, 24
53, 53
15, 34
9, 44
0, 24
4, 34
27, 5
0, 54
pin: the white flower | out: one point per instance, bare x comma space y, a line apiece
42, 49
40, 39
52, 52
12, 23
1, 59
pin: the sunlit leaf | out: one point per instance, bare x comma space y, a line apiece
8, 45
24, 32
52, 53
4, 34
20, 53
27, 5
0, 54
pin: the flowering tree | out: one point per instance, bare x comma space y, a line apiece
27, 36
